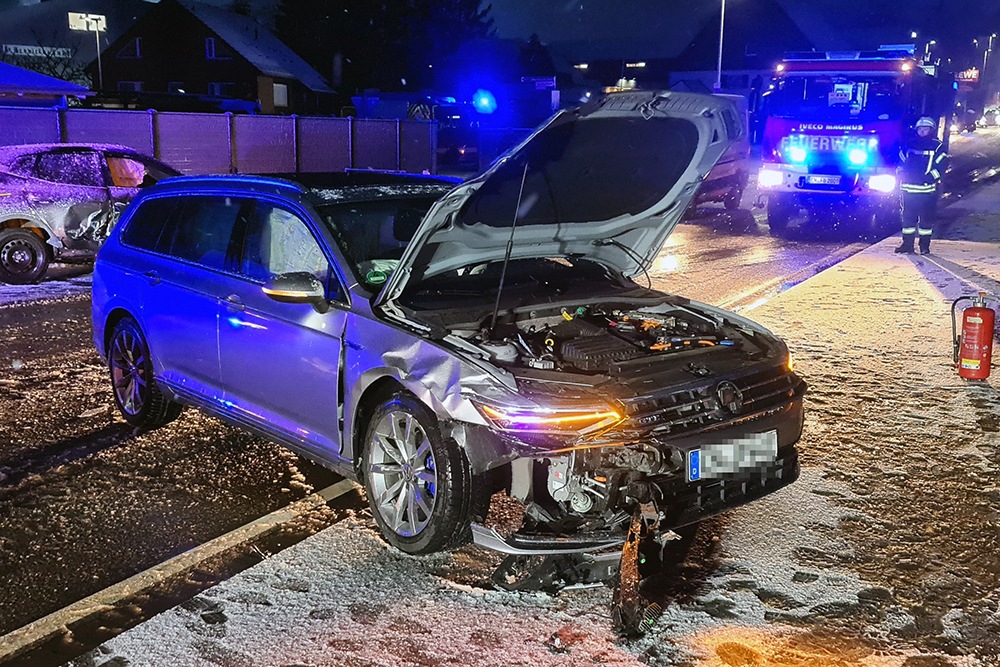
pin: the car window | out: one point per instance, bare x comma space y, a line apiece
24, 166
202, 231
373, 234
81, 168
147, 222
125, 172
277, 242
134, 171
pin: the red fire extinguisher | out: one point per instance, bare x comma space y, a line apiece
974, 348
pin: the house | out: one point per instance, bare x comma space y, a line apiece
181, 46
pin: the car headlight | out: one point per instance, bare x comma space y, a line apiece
882, 183
769, 178
549, 420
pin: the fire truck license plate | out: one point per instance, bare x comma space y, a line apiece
823, 180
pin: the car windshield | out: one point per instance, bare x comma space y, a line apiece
838, 98
372, 233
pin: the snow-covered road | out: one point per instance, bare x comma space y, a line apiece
884, 553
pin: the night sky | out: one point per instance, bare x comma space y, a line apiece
831, 24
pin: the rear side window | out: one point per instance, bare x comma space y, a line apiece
71, 168
24, 166
202, 231
147, 222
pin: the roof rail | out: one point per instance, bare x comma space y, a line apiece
248, 179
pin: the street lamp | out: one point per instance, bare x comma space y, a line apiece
986, 52
96, 23
718, 69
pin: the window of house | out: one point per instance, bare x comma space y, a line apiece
130, 86
216, 50
132, 49
280, 95
221, 88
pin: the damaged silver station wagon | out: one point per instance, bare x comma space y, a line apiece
445, 343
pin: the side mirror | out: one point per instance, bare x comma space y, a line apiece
298, 287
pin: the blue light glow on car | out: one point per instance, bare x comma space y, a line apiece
797, 154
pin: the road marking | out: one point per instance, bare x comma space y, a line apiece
58, 621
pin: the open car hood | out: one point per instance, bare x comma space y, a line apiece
605, 182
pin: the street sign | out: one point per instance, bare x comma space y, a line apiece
95, 23
88, 22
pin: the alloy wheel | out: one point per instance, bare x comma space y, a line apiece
402, 474
128, 371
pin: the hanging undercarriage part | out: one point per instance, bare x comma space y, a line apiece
555, 572
640, 556
632, 613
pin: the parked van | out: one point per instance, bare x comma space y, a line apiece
728, 178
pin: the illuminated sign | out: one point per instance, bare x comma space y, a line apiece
37, 51
88, 22
813, 142
970, 75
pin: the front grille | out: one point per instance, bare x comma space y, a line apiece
680, 412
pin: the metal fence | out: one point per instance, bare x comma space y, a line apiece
206, 143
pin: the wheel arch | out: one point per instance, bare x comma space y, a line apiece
36, 227
377, 391
110, 322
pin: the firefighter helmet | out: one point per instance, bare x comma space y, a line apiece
926, 121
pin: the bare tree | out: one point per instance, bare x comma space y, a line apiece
55, 56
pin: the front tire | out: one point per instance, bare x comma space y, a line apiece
139, 399
780, 209
419, 483
24, 259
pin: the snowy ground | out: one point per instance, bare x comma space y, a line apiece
60, 281
884, 553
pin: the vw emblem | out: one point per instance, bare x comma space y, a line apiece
730, 397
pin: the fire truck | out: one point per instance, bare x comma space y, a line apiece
834, 125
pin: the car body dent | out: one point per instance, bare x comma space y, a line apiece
433, 373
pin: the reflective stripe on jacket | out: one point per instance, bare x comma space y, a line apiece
922, 161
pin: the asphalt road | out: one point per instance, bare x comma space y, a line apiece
86, 503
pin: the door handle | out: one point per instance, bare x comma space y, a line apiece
233, 303
152, 277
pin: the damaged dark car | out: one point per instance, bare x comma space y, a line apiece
508, 347
58, 202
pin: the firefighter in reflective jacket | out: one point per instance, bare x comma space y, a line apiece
922, 161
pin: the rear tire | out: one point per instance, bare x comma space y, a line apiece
139, 399
734, 197
24, 258
419, 483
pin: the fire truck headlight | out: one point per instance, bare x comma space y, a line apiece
769, 178
857, 156
797, 154
882, 183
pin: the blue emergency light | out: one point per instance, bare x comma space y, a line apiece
797, 154
857, 156
484, 102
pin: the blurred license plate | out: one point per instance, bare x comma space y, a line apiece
732, 457
823, 180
